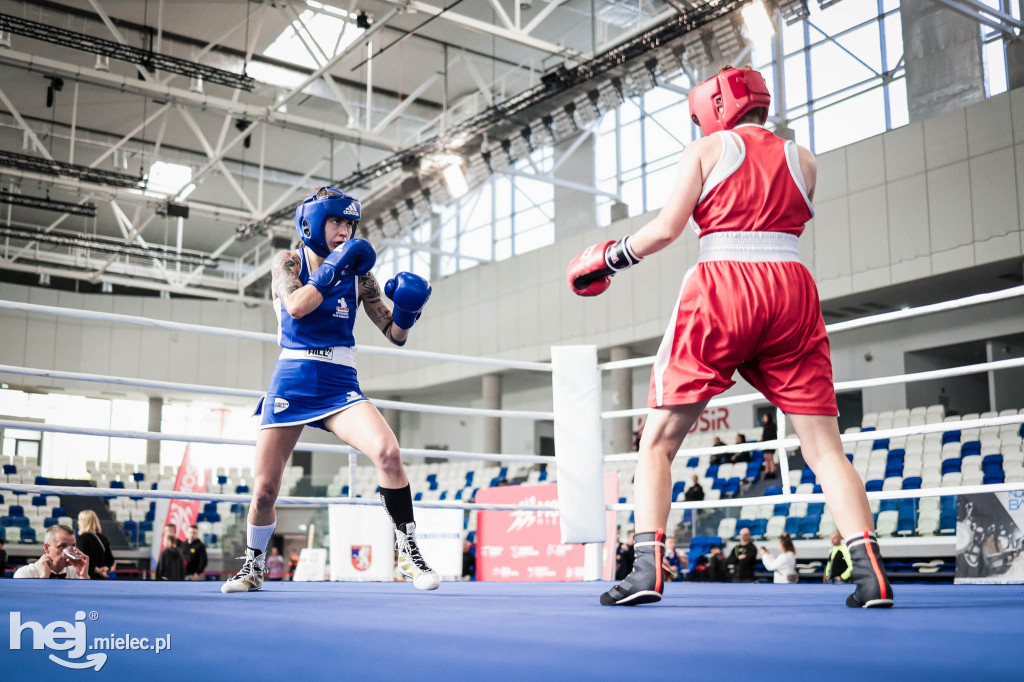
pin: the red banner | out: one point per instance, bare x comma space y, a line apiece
183, 513
526, 545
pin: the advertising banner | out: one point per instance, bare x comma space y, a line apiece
989, 538
526, 545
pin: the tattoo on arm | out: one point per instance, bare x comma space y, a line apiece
285, 274
376, 308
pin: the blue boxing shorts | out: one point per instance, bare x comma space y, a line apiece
307, 387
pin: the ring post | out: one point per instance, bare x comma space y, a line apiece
576, 387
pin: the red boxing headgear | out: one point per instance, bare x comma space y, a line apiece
720, 101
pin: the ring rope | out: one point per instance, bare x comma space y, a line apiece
849, 385
796, 498
87, 491
869, 320
250, 393
862, 436
312, 447
263, 336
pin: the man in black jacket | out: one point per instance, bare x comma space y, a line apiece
195, 555
743, 559
171, 565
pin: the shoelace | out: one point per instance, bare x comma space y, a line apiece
248, 568
408, 546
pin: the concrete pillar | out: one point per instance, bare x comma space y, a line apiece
942, 53
492, 401
156, 413
574, 209
622, 399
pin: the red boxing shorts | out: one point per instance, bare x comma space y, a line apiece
749, 305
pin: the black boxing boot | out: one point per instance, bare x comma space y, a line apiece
873, 589
644, 584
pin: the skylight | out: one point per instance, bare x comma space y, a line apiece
330, 27
168, 177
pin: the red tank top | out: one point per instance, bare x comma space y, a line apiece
756, 186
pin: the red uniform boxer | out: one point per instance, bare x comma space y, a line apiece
748, 305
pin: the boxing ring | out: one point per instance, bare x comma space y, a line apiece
516, 631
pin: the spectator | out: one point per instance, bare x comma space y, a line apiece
839, 566
293, 563
743, 559
784, 565
171, 565
695, 492
769, 431
275, 564
624, 558
468, 561
61, 558
3, 560
674, 559
740, 456
195, 555
95, 545
717, 571
717, 459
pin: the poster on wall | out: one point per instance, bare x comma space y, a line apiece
989, 538
526, 545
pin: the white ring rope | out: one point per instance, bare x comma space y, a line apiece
249, 393
263, 336
796, 498
792, 442
848, 385
312, 447
88, 491
869, 320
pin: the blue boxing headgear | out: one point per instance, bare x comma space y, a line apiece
311, 217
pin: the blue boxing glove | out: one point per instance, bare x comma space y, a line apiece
409, 293
352, 257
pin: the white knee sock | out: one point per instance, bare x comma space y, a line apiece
257, 537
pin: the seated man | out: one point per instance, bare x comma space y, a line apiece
695, 493
61, 558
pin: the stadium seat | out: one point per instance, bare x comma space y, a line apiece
887, 523
773, 490
678, 489
809, 526
781, 509
759, 527
971, 447
951, 465
793, 525
888, 505
950, 437
912, 483
874, 486
807, 476
775, 526
727, 527
28, 535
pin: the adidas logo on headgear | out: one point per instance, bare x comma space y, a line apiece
351, 210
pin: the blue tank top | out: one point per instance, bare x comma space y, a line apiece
330, 324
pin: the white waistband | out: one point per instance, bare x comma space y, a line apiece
338, 355
749, 246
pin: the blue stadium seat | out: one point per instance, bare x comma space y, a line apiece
443, 495
543, 476
759, 528
712, 471
947, 524
912, 483
815, 508
210, 507
793, 525
432, 480
344, 491
947, 505
241, 490
985, 461
469, 479
971, 447
51, 521
3, 533
744, 523
471, 536
897, 453
10, 470
131, 529
849, 456
222, 480
28, 535
238, 508
213, 517
16, 510
950, 437
117, 484
731, 487
888, 505
997, 477
873, 486
718, 484
753, 471
39, 501
949, 465
417, 497
865, 429
905, 525
809, 526
503, 473
210, 539
678, 487
817, 489
880, 444
201, 517
781, 509
42, 480
138, 477
773, 490
807, 476
6, 521
145, 526
693, 463
894, 469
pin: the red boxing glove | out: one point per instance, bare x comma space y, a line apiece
588, 274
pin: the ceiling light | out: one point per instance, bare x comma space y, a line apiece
455, 180
760, 27
168, 177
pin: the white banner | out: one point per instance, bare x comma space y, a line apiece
362, 543
439, 535
312, 566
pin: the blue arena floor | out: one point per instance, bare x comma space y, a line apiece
309, 632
